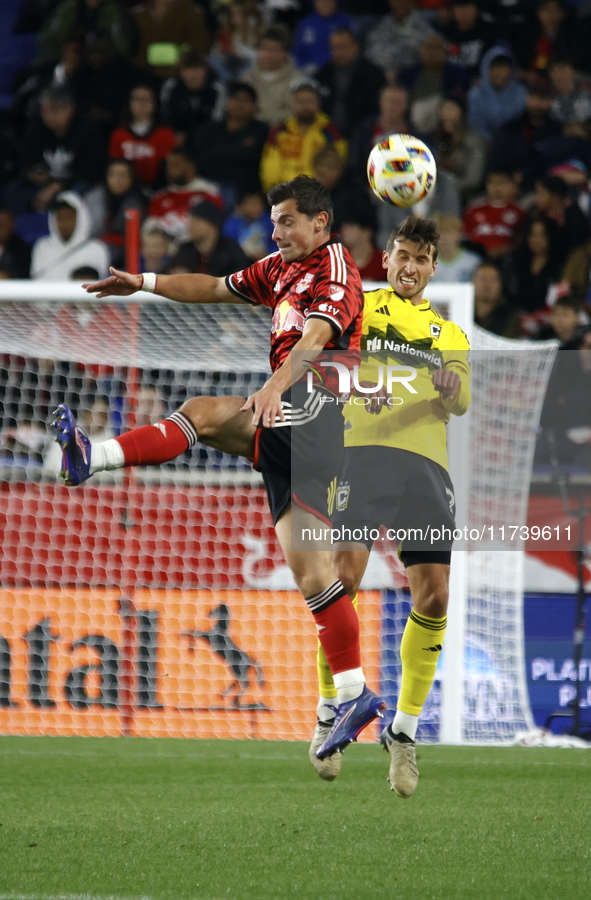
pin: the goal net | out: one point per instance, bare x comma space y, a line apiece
156, 601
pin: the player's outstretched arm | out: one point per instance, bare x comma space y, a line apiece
183, 288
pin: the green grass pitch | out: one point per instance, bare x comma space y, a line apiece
85, 818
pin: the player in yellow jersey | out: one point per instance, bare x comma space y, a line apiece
396, 475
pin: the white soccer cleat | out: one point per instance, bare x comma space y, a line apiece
404, 774
329, 768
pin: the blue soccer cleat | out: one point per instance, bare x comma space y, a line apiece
351, 718
76, 447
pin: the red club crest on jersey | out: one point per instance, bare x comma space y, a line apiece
286, 318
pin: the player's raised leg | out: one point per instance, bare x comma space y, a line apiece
215, 421
421, 645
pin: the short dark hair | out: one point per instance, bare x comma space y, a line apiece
419, 230
241, 87
503, 171
554, 185
570, 301
278, 34
503, 59
309, 195
57, 95
349, 33
91, 273
488, 264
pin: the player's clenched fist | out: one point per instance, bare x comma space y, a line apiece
447, 382
118, 284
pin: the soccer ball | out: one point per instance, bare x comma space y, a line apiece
401, 170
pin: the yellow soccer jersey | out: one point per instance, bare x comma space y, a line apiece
404, 345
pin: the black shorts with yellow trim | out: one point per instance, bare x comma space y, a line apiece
301, 459
411, 496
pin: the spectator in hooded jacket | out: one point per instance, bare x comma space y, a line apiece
69, 244
498, 98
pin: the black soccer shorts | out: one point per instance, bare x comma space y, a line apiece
301, 458
408, 494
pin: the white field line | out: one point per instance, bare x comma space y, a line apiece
69, 897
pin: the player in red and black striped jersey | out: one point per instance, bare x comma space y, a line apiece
325, 285
292, 428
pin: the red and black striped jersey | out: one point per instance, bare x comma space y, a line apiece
325, 285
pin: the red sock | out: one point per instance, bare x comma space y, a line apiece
339, 632
151, 445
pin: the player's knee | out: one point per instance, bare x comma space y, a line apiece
350, 580
199, 411
309, 579
432, 602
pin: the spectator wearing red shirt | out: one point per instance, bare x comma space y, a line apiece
172, 205
357, 236
142, 140
495, 221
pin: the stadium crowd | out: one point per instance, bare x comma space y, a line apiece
191, 111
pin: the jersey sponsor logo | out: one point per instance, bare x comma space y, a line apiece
326, 307
435, 330
132, 150
450, 499
396, 344
304, 283
286, 318
336, 292
238, 276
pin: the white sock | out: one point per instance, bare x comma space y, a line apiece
405, 723
107, 455
349, 684
327, 708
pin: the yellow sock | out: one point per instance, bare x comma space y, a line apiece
326, 686
419, 651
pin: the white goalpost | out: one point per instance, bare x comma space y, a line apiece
110, 594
